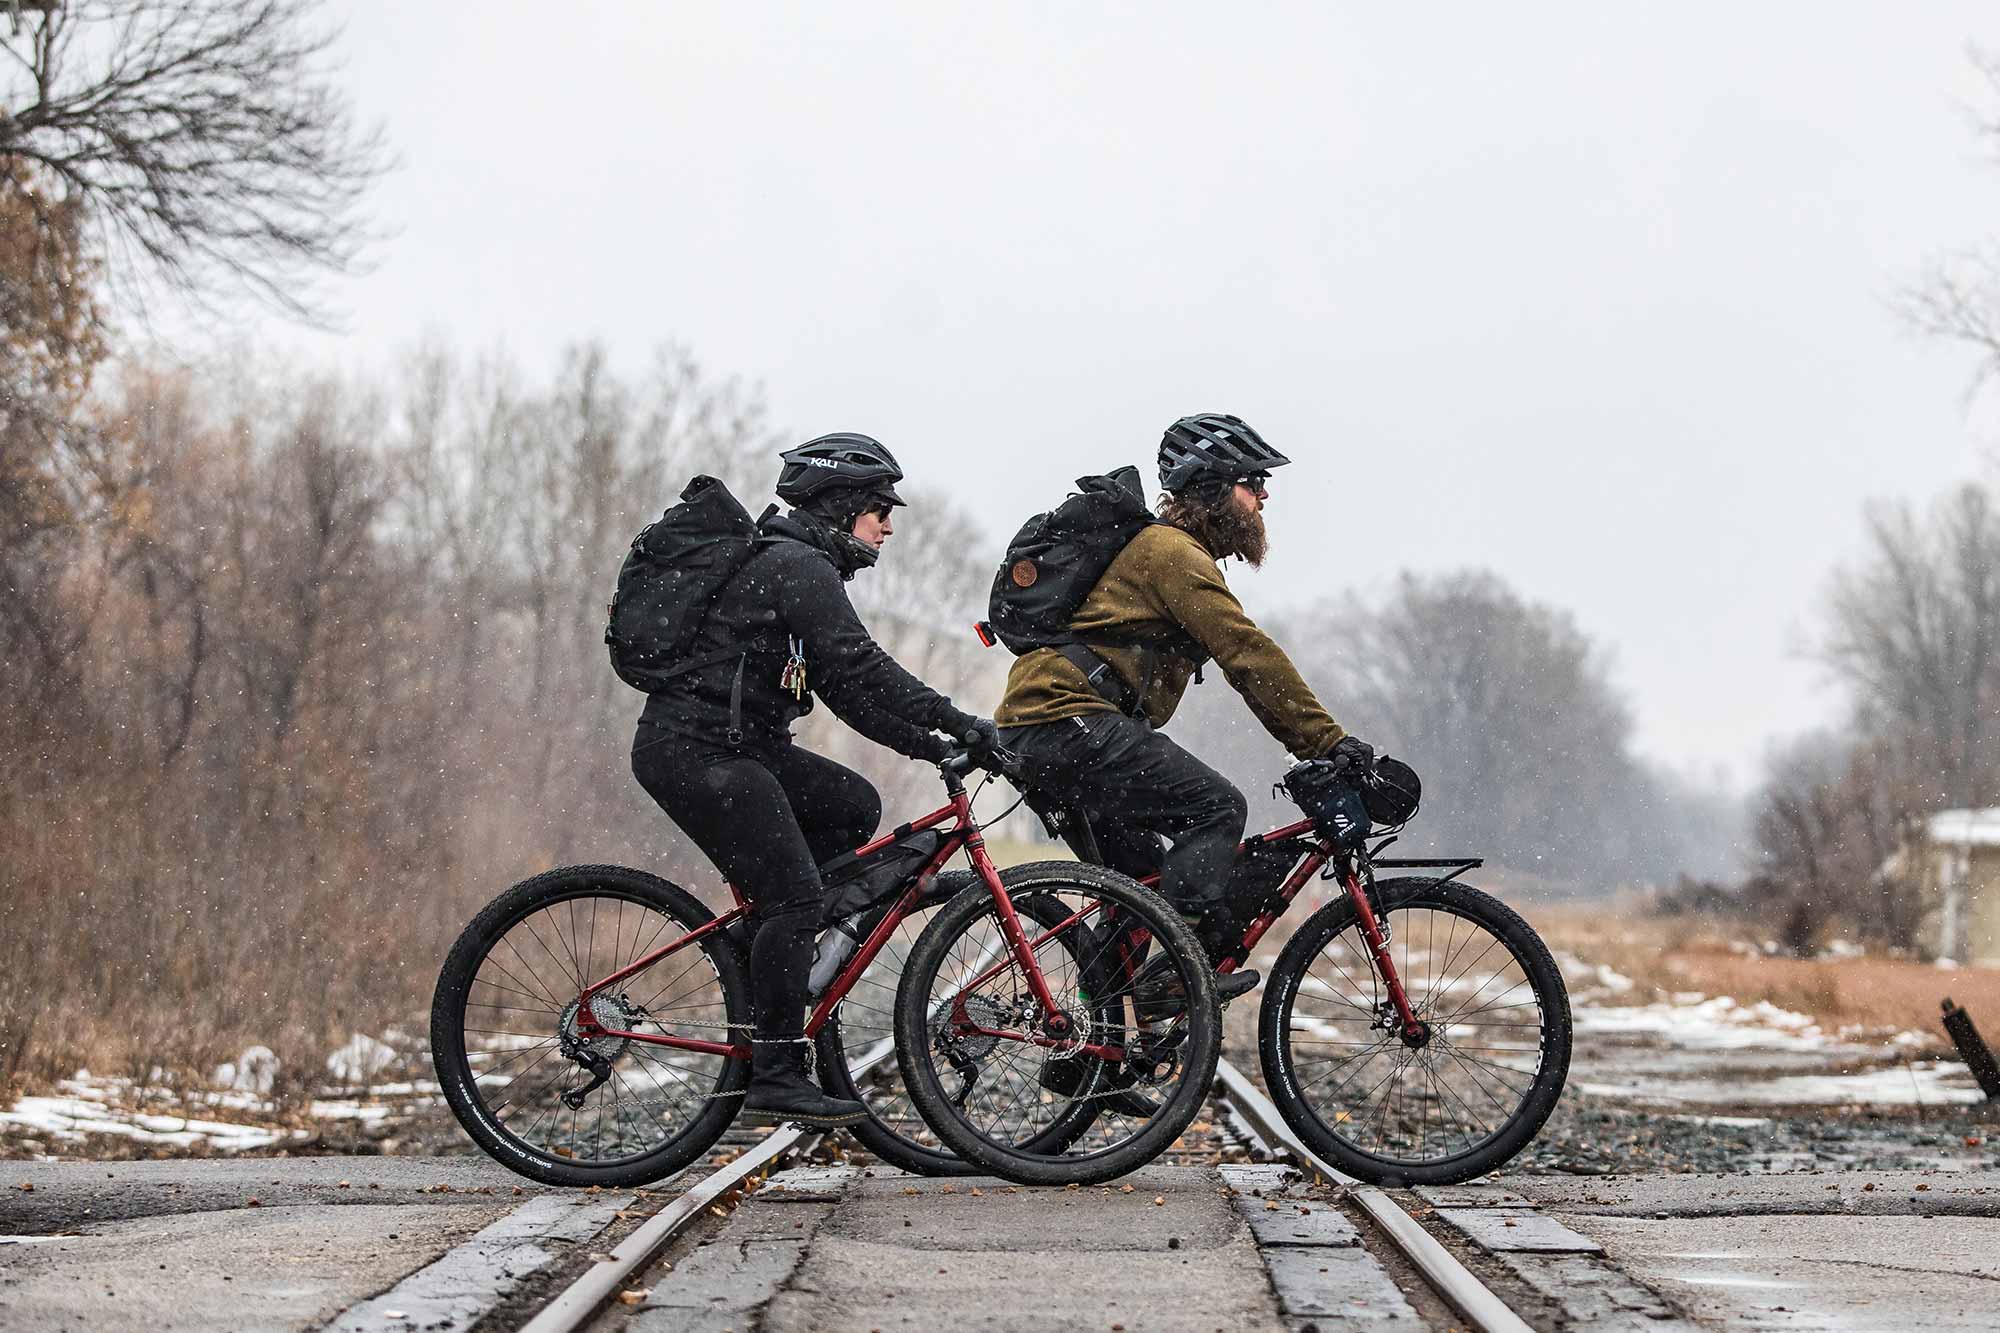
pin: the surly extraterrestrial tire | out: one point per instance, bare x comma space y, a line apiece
956, 1032
862, 1028
1470, 1096
504, 1035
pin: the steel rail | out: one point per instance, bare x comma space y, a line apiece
581, 1300
1485, 1311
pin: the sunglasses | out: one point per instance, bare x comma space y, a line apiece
881, 511
1256, 483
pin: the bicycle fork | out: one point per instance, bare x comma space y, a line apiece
1057, 1028
1415, 1032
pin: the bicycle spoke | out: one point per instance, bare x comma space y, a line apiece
1434, 1097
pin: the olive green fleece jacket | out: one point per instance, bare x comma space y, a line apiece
1165, 583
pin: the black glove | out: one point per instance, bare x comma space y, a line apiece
981, 736
1353, 755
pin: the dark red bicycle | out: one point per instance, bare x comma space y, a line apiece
1414, 1030
590, 1026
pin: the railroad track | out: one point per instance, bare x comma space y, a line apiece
1252, 1122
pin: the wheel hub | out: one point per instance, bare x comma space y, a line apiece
980, 1011
613, 1012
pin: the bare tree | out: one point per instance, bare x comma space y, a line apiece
202, 139
1916, 632
1508, 711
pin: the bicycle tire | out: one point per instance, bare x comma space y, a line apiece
1193, 1054
1371, 1144
887, 1132
713, 1097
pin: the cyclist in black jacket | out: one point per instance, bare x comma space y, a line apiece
715, 748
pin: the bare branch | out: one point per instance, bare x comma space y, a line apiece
204, 137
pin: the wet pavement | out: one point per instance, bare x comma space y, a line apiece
1865, 1251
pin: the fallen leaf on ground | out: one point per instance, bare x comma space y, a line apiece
636, 1297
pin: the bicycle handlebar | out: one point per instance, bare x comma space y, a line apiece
1003, 762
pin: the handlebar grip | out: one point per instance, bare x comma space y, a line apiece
960, 762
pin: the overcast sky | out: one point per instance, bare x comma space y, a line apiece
1594, 297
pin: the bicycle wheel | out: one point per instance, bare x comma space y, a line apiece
856, 1047
1004, 1092
1456, 1103
504, 1031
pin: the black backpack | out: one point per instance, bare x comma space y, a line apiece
677, 565
1051, 566
1058, 557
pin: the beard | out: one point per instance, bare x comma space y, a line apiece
1242, 530
1225, 527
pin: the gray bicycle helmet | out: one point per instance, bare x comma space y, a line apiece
1211, 448
842, 461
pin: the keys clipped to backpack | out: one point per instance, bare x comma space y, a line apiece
793, 677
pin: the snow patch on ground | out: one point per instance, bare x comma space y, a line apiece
1695, 1049
237, 1112
84, 1107
1700, 1022
360, 1060
254, 1072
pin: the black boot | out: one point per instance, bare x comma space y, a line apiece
1158, 994
780, 1091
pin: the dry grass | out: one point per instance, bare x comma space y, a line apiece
1666, 955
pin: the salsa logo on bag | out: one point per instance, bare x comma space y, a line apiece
1058, 557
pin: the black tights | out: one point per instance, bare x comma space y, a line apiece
767, 820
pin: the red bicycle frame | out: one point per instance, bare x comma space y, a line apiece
965, 834
1356, 871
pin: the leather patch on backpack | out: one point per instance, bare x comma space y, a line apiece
1024, 574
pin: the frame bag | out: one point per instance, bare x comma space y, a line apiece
670, 578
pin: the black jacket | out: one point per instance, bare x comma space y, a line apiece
793, 589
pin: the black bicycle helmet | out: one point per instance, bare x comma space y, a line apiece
1210, 448
842, 461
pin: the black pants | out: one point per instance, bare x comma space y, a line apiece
767, 820
1136, 785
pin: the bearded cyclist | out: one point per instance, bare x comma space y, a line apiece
1162, 605
715, 749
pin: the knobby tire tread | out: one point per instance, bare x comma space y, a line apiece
1393, 896
1203, 1046
455, 982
